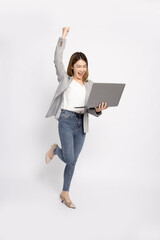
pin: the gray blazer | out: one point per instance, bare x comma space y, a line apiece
64, 80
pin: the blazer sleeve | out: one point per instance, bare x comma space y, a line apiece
58, 58
93, 112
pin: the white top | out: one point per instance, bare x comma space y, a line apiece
74, 96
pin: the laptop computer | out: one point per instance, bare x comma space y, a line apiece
104, 92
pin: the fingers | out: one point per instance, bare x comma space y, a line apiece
102, 105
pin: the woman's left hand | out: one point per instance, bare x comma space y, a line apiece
101, 106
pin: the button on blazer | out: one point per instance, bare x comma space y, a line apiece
64, 80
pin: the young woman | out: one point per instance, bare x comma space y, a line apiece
73, 91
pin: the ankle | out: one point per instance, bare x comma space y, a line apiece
66, 193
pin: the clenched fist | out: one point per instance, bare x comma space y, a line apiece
65, 31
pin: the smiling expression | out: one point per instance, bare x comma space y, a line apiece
79, 68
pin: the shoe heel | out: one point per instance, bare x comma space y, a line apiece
61, 200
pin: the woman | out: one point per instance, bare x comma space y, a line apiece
73, 91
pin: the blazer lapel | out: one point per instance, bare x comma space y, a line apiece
63, 87
87, 92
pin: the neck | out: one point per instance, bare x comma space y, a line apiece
78, 79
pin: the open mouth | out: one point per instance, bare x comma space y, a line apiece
80, 74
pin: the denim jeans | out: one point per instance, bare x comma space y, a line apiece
72, 136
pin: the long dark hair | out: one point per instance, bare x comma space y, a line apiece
73, 59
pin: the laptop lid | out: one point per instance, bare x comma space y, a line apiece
104, 92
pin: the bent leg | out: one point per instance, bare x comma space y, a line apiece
66, 153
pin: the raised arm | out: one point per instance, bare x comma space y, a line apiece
58, 55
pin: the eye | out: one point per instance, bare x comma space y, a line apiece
85, 66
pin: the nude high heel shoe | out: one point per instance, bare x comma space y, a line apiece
68, 204
47, 157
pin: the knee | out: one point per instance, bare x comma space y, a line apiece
69, 159
71, 163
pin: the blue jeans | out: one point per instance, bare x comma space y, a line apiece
72, 136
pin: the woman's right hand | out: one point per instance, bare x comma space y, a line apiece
65, 31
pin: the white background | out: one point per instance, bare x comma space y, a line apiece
116, 183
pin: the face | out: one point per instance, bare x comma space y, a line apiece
79, 69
